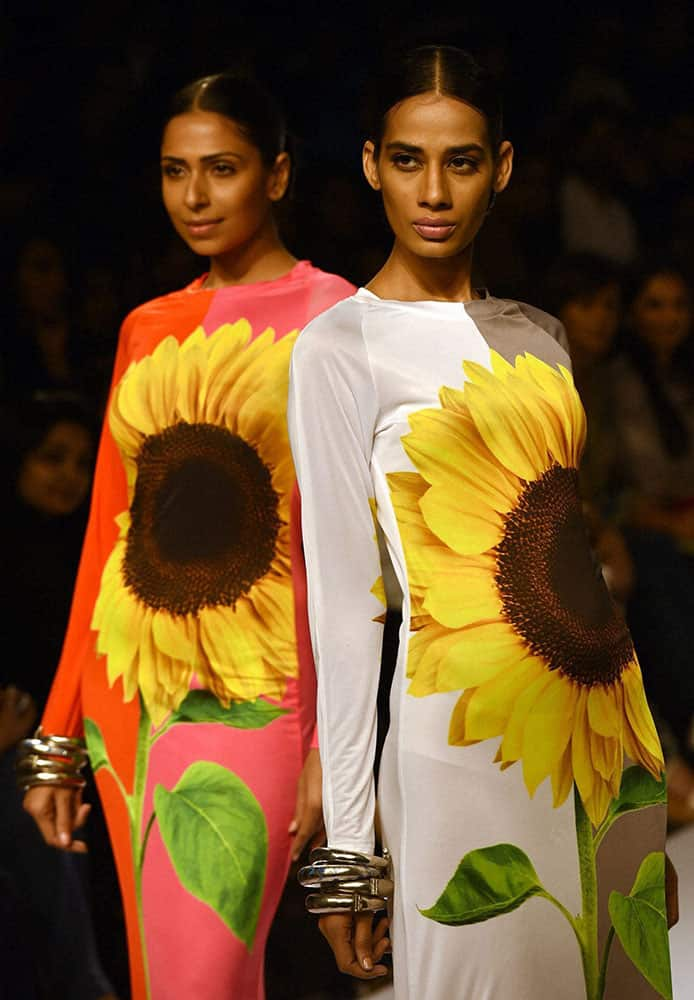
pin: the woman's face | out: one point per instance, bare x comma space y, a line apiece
436, 173
661, 314
54, 478
216, 189
591, 323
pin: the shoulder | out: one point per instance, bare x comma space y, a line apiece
333, 336
331, 284
155, 308
550, 324
344, 317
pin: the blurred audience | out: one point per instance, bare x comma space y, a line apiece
653, 384
637, 473
48, 446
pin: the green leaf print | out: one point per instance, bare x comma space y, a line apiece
487, 883
640, 922
202, 706
638, 790
216, 836
95, 746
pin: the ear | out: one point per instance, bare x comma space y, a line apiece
279, 177
503, 166
369, 162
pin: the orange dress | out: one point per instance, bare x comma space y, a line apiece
187, 662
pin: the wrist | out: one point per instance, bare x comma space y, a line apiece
346, 881
51, 761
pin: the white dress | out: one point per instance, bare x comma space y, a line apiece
509, 641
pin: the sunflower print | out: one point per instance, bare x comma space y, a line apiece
507, 604
198, 584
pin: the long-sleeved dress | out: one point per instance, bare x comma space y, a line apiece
182, 657
457, 429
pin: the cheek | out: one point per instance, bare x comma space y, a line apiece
34, 480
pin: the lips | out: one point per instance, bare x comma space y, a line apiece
202, 227
437, 230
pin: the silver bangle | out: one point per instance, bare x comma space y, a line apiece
346, 881
51, 760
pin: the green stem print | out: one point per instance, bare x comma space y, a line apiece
209, 807
495, 880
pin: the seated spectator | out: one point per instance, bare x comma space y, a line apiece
653, 384
584, 292
48, 448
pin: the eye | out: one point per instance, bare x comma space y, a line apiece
172, 170
464, 164
223, 169
404, 161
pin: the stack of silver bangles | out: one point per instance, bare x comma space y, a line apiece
51, 760
346, 881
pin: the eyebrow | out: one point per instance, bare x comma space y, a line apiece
470, 147
204, 159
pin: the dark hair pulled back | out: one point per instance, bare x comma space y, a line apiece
444, 69
244, 101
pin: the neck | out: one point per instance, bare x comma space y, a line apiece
262, 258
410, 278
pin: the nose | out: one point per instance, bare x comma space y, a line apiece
434, 192
196, 192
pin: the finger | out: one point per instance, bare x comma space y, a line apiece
64, 819
81, 815
362, 941
43, 814
380, 930
337, 929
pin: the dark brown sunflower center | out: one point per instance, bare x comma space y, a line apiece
204, 519
552, 590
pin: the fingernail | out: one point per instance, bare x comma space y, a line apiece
367, 963
64, 838
293, 826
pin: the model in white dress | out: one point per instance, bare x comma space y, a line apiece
457, 426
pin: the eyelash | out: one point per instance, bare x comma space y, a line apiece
459, 163
174, 171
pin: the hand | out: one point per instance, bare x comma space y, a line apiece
17, 716
308, 811
58, 812
357, 945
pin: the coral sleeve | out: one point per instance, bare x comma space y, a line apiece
63, 713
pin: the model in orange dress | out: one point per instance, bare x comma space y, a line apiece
186, 663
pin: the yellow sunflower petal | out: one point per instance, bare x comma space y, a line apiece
460, 598
490, 705
510, 428
603, 712
457, 728
459, 522
562, 778
584, 772
174, 636
512, 744
447, 450
477, 654
547, 730
638, 713
597, 804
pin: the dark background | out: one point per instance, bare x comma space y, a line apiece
85, 88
